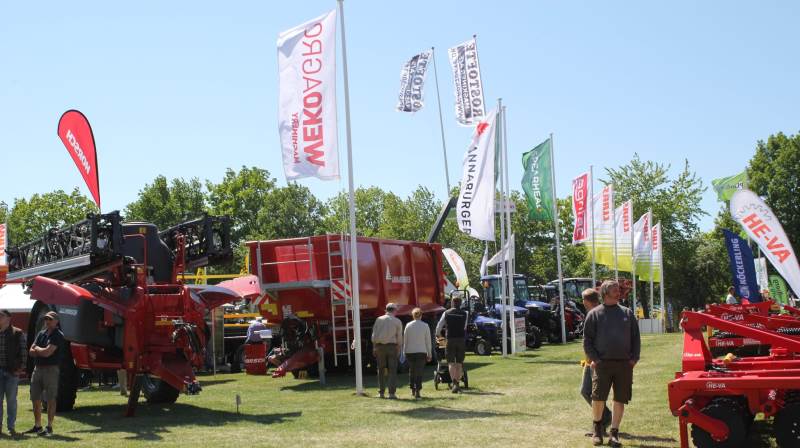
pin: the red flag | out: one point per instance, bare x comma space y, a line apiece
76, 134
580, 208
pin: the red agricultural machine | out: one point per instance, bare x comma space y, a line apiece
121, 304
720, 397
303, 287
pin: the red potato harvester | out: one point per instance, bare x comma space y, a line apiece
720, 397
120, 301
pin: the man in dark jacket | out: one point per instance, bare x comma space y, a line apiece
12, 360
454, 321
612, 346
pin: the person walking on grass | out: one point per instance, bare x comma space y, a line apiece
12, 359
612, 345
46, 352
387, 341
591, 299
417, 347
454, 321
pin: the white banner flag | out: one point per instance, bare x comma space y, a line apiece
412, 81
457, 265
603, 233
642, 246
470, 107
307, 99
623, 215
763, 227
476, 198
657, 254
505, 254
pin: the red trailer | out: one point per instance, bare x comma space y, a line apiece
305, 288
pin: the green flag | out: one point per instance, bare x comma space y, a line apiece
726, 186
537, 182
778, 290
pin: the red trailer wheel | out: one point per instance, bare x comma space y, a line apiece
729, 413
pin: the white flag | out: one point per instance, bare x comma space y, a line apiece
505, 254
307, 99
642, 246
485, 260
412, 80
603, 232
657, 254
470, 107
457, 265
476, 199
623, 215
763, 227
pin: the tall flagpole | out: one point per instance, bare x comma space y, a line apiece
650, 235
614, 234
558, 242
591, 211
633, 259
503, 270
356, 306
441, 123
661, 282
507, 211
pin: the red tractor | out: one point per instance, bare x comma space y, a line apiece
120, 300
721, 397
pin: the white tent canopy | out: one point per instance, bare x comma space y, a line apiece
14, 299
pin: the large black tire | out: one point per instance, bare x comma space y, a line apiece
465, 379
534, 339
787, 426
68, 380
729, 413
482, 347
157, 391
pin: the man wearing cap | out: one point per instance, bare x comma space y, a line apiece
46, 352
387, 341
12, 360
454, 321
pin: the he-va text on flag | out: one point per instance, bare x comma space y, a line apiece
623, 216
470, 107
412, 80
475, 208
307, 99
603, 234
537, 181
763, 227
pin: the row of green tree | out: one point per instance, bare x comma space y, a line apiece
695, 271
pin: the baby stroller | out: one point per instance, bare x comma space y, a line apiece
441, 373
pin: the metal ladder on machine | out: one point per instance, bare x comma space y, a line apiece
341, 300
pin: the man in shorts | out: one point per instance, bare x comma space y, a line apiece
612, 345
454, 321
46, 352
591, 300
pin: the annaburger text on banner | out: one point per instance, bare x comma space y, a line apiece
307, 99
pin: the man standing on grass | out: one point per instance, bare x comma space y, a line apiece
46, 353
387, 341
591, 299
455, 321
612, 345
12, 359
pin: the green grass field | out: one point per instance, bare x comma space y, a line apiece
526, 400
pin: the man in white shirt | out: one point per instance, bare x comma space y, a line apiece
387, 341
731, 299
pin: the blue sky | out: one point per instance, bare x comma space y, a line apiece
189, 88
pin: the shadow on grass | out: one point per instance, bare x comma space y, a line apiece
204, 382
441, 413
563, 362
640, 438
152, 421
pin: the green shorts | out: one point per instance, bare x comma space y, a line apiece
616, 374
44, 384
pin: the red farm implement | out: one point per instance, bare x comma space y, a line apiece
721, 397
120, 302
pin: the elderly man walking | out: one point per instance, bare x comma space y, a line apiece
387, 341
612, 345
12, 359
